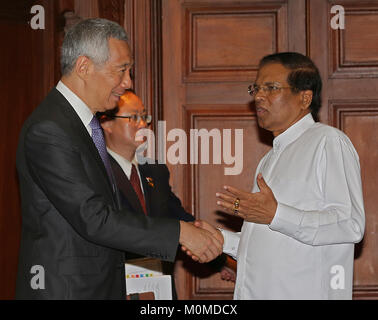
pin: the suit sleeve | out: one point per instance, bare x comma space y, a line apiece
56, 167
176, 209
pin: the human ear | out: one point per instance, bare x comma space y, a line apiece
306, 98
83, 67
106, 126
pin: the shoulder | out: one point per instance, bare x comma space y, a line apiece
326, 136
320, 131
154, 169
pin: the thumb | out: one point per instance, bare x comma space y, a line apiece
198, 223
261, 183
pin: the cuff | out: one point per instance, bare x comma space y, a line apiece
231, 242
289, 221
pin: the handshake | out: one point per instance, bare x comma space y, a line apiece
200, 240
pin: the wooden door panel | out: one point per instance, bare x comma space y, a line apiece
359, 119
208, 64
224, 43
210, 55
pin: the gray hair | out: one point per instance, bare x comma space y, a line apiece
89, 38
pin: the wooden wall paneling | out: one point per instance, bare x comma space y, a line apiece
27, 73
359, 119
347, 62
317, 28
111, 9
207, 179
210, 57
354, 50
142, 21
224, 43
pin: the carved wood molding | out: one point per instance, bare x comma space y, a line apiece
360, 64
196, 276
339, 108
112, 10
206, 24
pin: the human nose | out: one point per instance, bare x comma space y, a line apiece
142, 123
126, 80
260, 93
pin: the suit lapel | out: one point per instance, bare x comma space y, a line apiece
79, 131
125, 186
147, 189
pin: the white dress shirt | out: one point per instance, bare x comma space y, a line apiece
85, 114
307, 250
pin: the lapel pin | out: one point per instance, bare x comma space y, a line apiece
150, 182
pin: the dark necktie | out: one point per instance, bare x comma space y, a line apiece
134, 180
99, 141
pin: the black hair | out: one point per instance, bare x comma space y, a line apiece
304, 75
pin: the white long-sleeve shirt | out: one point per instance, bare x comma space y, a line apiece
307, 250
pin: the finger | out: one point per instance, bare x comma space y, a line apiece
225, 197
204, 257
195, 258
228, 206
198, 223
237, 193
215, 248
261, 183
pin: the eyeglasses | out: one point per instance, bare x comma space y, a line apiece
136, 118
269, 89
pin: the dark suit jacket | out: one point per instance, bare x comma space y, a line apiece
159, 198
70, 224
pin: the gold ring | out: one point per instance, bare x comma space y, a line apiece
236, 206
236, 203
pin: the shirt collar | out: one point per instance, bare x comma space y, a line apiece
82, 110
124, 163
293, 132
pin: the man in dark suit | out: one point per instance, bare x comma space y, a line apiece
73, 234
144, 189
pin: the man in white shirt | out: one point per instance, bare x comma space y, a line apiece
306, 208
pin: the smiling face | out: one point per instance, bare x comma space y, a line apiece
277, 111
107, 83
120, 132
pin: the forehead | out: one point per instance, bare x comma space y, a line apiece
119, 52
130, 104
272, 72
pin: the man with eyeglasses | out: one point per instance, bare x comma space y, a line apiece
151, 194
306, 211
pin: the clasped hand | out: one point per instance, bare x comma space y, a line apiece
201, 241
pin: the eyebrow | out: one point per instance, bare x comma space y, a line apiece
272, 83
130, 64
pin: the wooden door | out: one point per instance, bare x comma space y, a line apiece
210, 56
27, 73
348, 61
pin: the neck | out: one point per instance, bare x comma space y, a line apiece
125, 152
77, 87
299, 117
